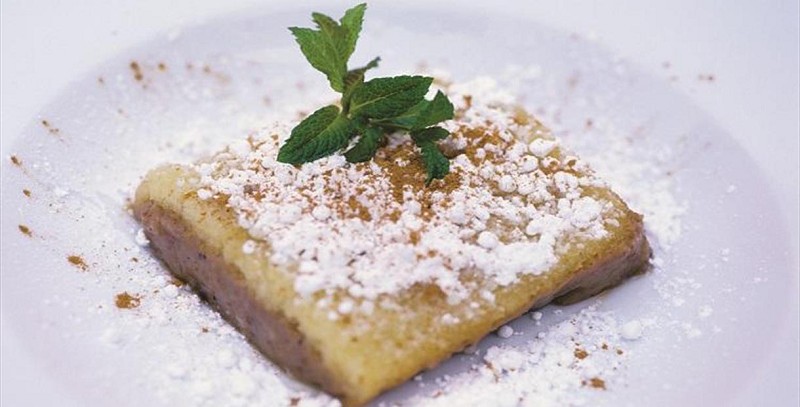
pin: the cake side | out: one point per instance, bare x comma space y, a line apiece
222, 285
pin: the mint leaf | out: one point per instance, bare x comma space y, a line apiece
320, 51
351, 22
384, 98
429, 134
328, 26
407, 119
438, 110
423, 114
329, 48
356, 76
321, 134
309, 127
436, 164
366, 147
335, 34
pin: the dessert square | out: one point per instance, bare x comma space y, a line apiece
355, 277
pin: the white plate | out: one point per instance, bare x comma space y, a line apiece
724, 288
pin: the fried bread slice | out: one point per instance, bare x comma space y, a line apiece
355, 277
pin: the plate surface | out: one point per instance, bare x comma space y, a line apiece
723, 276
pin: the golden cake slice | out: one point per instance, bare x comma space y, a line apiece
355, 277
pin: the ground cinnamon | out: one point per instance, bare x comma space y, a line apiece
78, 262
124, 300
25, 230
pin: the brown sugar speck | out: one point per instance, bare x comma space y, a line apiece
221, 77
414, 237
16, 161
162, 66
49, 127
78, 262
26, 192
605, 346
597, 383
137, 71
25, 230
619, 351
100, 80
204, 330
580, 353
126, 301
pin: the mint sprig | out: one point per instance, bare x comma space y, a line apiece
370, 110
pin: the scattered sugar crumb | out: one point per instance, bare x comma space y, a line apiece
60, 192
631, 330
141, 239
691, 330
204, 194
705, 311
449, 319
505, 331
249, 247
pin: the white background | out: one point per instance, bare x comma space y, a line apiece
751, 49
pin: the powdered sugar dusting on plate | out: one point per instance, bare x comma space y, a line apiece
561, 366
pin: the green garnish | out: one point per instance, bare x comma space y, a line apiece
370, 110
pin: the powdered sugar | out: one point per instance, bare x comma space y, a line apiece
562, 366
361, 228
140, 238
631, 330
505, 331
